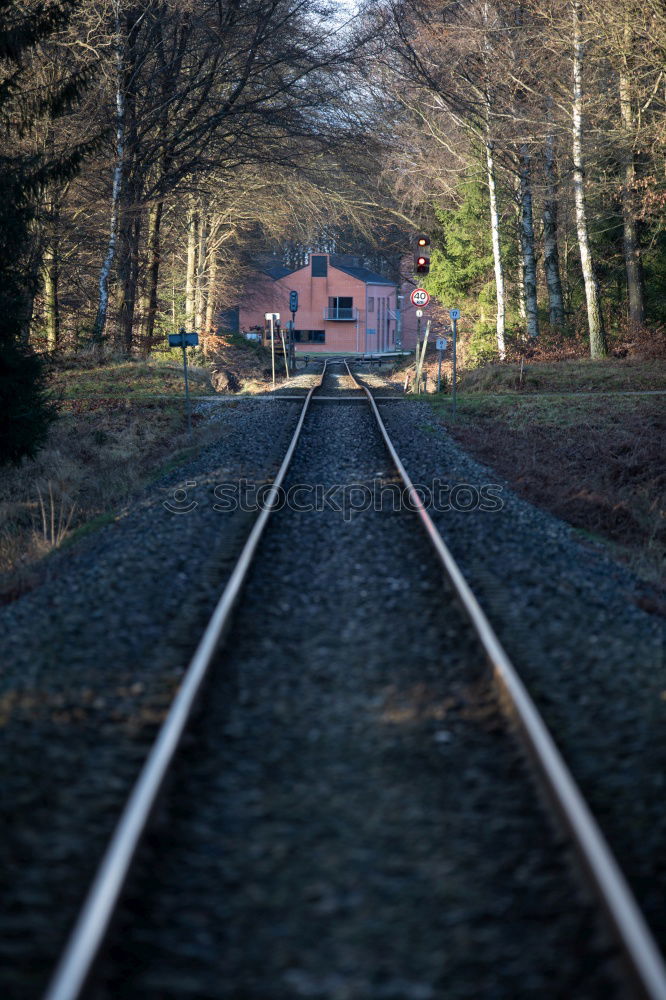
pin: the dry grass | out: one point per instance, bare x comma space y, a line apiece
97, 456
629, 374
57, 515
571, 375
81, 377
120, 423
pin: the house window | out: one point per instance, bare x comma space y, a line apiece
340, 307
319, 266
310, 336
371, 303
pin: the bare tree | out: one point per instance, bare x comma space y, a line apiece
598, 347
551, 211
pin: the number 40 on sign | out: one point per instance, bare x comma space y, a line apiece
419, 297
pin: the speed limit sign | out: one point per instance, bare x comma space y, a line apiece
419, 297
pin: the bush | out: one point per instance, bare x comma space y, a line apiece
24, 405
481, 348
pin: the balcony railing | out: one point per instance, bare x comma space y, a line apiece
345, 314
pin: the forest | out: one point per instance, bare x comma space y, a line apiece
154, 151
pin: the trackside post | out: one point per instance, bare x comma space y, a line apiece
455, 316
185, 340
273, 318
441, 347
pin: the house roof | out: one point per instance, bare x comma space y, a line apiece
277, 271
363, 274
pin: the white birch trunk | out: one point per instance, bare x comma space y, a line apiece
527, 244
520, 277
103, 301
520, 272
497, 250
597, 332
494, 213
51, 303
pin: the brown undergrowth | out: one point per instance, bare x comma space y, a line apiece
240, 365
595, 462
97, 455
120, 423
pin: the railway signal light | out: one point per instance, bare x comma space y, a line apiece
422, 255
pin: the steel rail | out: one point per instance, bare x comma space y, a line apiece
631, 930
83, 946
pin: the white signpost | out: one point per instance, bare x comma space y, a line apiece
273, 318
419, 297
455, 316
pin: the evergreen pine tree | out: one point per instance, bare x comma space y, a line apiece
25, 412
462, 260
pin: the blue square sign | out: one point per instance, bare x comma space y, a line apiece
183, 339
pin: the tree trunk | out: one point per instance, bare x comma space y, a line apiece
211, 301
551, 256
598, 348
520, 278
33, 269
632, 249
494, 211
191, 275
51, 300
202, 261
128, 269
527, 244
497, 250
520, 270
148, 305
118, 172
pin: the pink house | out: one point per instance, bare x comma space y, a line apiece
342, 308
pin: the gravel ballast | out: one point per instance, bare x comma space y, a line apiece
351, 818
568, 616
90, 660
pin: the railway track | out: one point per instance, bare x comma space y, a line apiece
73, 975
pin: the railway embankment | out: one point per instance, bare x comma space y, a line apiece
93, 655
574, 622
